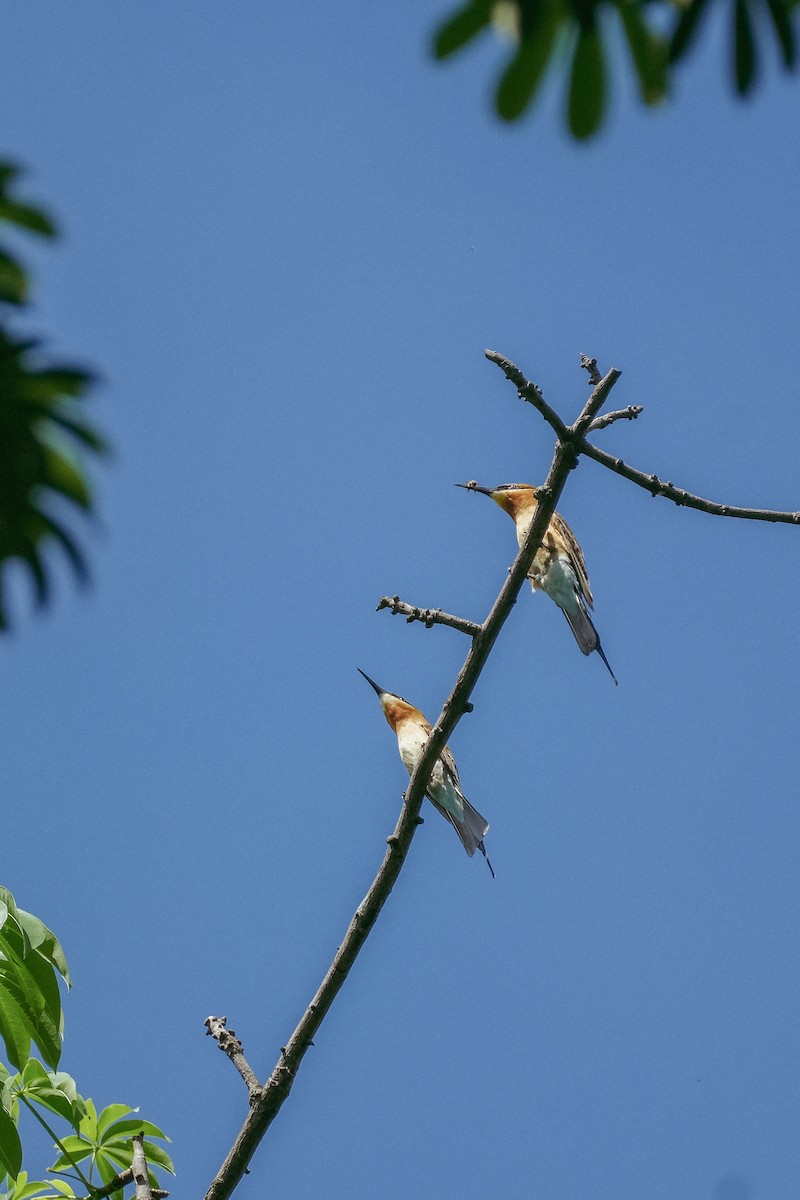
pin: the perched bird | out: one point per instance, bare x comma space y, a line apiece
444, 789
558, 568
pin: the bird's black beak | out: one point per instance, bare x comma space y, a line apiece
472, 486
371, 682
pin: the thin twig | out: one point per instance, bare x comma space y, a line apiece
530, 392
120, 1181
139, 1169
593, 405
265, 1109
656, 487
114, 1185
428, 616
590, 365
623, 414
229, 1044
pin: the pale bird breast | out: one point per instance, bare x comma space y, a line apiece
411, 739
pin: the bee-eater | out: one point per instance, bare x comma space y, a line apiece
559, 568
444, 788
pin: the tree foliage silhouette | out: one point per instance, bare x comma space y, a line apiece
576, 38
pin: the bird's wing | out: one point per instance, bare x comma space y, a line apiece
446, 786
450, 768
569, 545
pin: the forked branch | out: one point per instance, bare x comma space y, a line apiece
266, 1102
139, 1169
265, 1107
576, 436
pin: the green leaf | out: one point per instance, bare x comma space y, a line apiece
107, 1172
10, 1145
40, 425
68, 544
55, 1091
13, 1028
521, 79
68, 1087
8, 172
44, 942
79, 430
129, 1127
77, 1149
686, 29
33, 1072
33, 561
745, 59
30, 1002
110, 1114
461, 27
11, 924
157, 1155
32, 997
13, 280
781, 14
119, 1157
41, 1189
108, 1139
23, 215
44, 980
53, 383
89, 1122
648, 51
587, 87
26, 217
63, 476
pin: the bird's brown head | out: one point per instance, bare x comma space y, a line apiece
395, 708
513, 498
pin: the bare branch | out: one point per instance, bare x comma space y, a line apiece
265, 1108
684, 499
587, 422
267, 1103
530, 392
593, 405
139, 1169
590, 365
623, 414
113, 1185
228, 1042
428, 616
120, 1181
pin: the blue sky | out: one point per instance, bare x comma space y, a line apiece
288, 238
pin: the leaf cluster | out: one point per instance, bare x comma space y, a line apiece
31, 962
43, 431
574, 33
